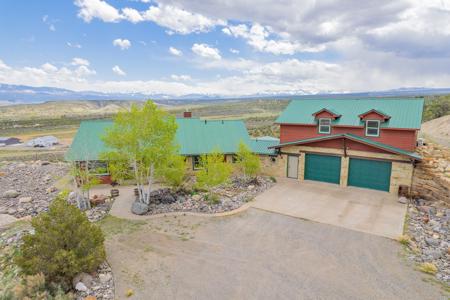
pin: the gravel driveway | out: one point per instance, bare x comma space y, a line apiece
259, 255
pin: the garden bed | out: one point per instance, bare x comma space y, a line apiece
223, 198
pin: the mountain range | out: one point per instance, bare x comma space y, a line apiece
22, 94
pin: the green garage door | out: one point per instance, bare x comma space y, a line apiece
323, 168
371, 174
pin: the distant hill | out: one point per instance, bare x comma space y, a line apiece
438, 130
57, 109
16, 94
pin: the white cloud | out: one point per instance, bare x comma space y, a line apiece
180, 77
48, 67
47, 75
84, 71
90, 9
179, 20
50, 23
175, 51
77, 61
118, 71
206, 51
123, 44
257, 36
234, 51
73, 45
172, 17
132, 15
380, 71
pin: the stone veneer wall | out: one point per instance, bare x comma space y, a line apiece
432, 175
275, 168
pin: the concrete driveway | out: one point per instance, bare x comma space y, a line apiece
258, 255
358, 209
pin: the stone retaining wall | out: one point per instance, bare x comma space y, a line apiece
432, 176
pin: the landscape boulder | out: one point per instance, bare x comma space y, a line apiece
25, 199
403, 200
11, 194
81, 287
139, 208
83, 278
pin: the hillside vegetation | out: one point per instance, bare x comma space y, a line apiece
436, 107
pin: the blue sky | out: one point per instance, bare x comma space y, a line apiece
231, 48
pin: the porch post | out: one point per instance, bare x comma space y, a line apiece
344, 170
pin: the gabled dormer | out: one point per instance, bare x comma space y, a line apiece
326, 113
324, 118
372, 120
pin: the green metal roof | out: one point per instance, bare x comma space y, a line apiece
193, 135
261, 145
404, 112
87, 143
197, 136
355, 138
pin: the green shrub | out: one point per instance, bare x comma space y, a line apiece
64, 244
214, 170
248, 162
174, 172
273, 179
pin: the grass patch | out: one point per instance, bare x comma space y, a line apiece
428, 268
212, 198
111, 225
405, 240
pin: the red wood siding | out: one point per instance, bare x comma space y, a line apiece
403, 139
351, 145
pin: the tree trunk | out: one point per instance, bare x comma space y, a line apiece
150, 182
139, 187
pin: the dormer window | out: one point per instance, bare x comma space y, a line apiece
372, 128
325, 125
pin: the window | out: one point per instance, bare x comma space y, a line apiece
196, 162
372, 128
325, 126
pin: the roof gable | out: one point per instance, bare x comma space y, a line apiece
326, 113
404, 112
373, 113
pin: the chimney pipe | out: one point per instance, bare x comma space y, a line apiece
187, 114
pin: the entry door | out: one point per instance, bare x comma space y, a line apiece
292, 168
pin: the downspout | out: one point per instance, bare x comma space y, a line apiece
414, 163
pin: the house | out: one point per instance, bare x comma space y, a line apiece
194, 136
366, 143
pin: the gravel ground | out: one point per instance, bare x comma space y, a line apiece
260, 255
428, 226
27, 188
